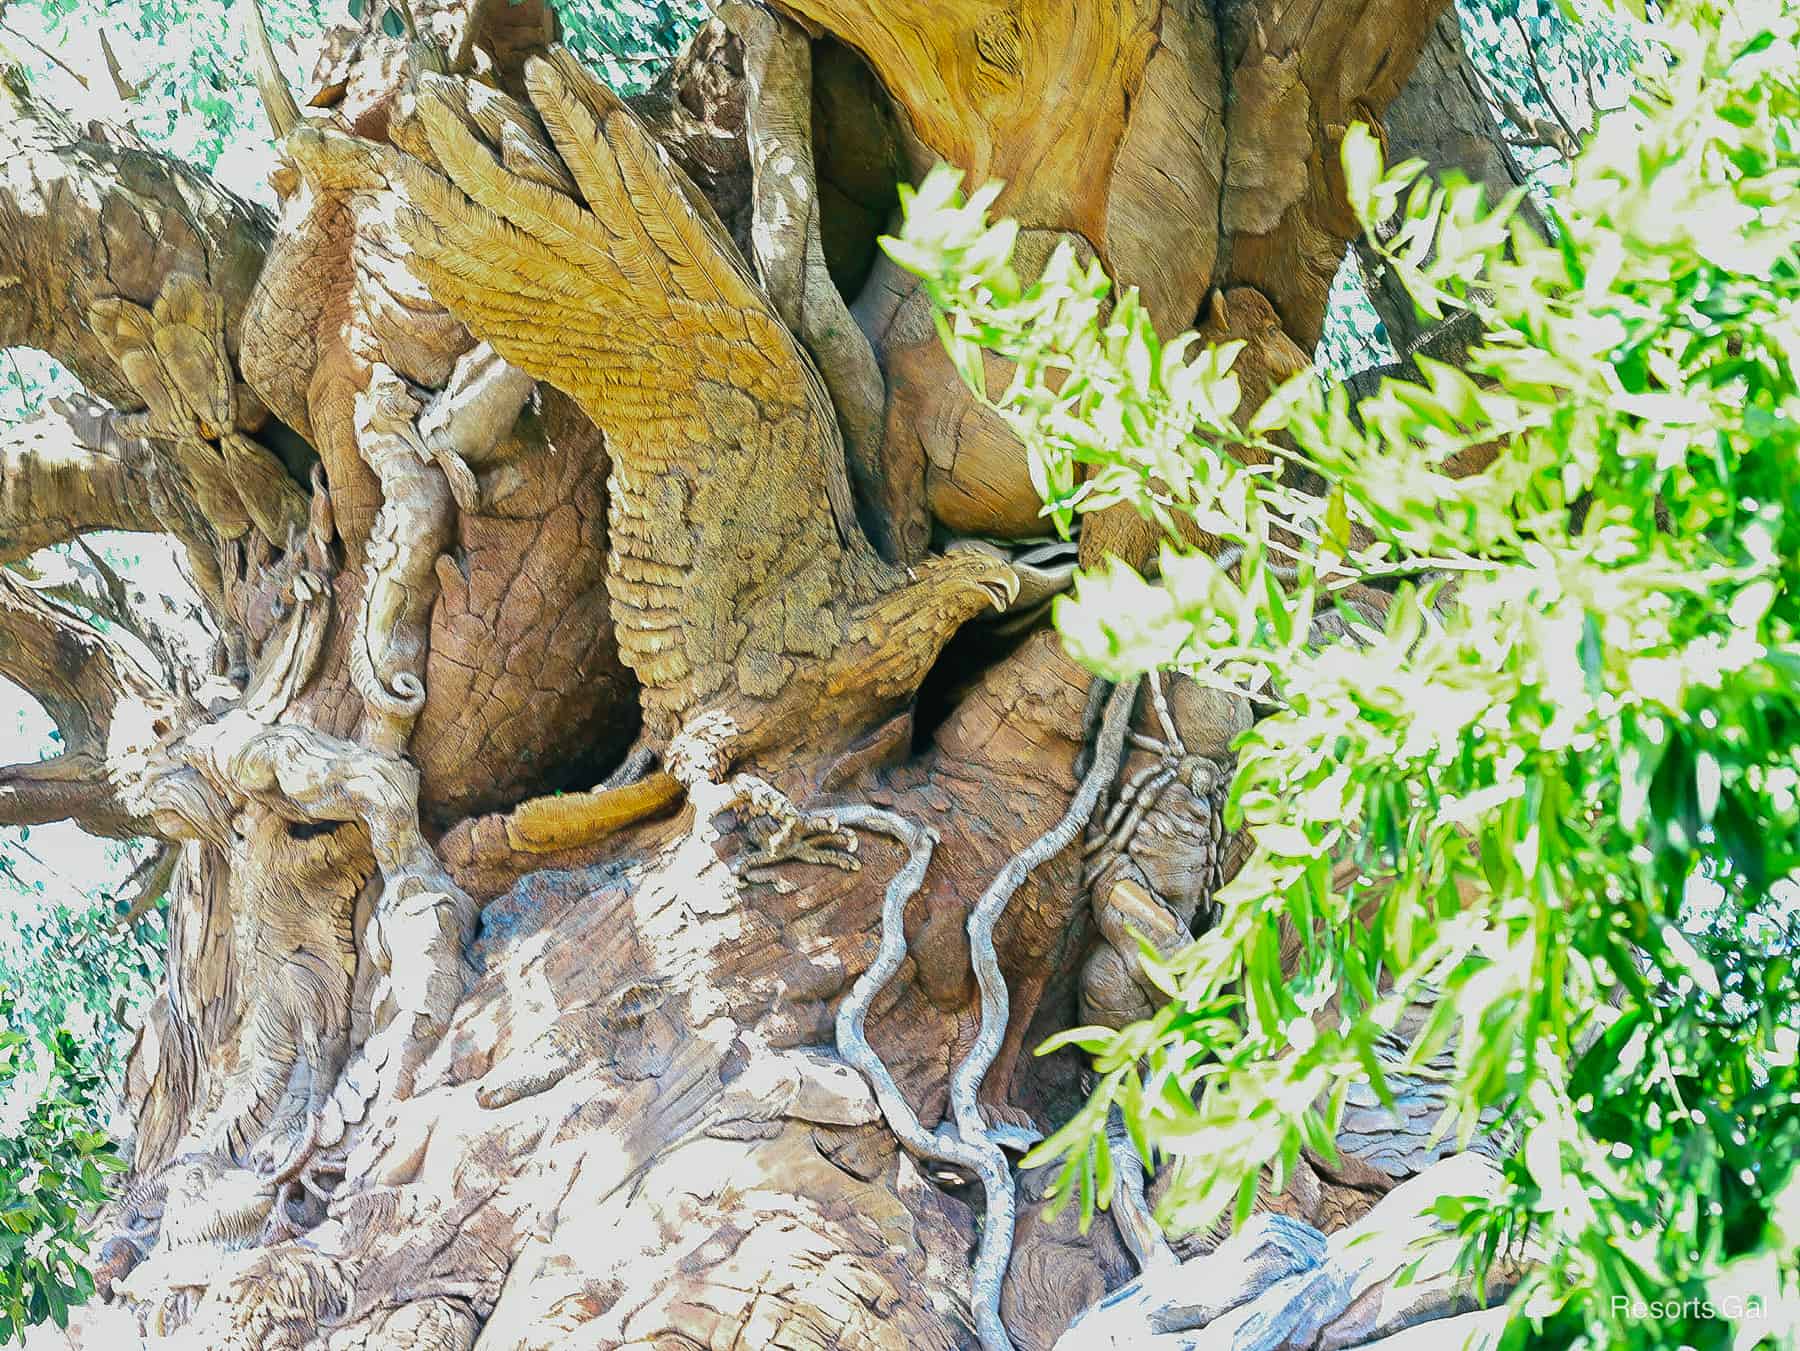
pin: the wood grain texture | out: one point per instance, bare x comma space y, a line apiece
444, 1058
1299, 76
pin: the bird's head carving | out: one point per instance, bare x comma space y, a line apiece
979, 572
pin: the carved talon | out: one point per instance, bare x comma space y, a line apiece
784, 834
295, 1178
281, 1225
263, 1162
296, 1182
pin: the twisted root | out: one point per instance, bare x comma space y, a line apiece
970, 1143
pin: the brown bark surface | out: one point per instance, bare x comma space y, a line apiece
607, 729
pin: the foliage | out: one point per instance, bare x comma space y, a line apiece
628, 42
75, 974
1557, 794
178, 68
73, 959
1548, 64
1549, 67
1353, 338
54, 1162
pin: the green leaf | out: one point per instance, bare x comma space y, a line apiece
1361, 156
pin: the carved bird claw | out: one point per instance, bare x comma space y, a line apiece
785, 834
281, 1157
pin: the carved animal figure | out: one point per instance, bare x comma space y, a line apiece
747, 600
1158, 851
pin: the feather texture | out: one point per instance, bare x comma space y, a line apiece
740, 581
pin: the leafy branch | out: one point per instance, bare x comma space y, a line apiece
1496, 804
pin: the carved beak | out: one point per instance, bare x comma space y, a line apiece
278, 101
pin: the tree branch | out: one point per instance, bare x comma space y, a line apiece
1442, 117
90, 214
94, 588
1534, 131
1570, 136
67, 787
103, 704
148, 883
67, 471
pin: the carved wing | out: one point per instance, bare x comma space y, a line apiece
622, 296
730, 499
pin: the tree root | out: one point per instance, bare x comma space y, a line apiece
997, 1231
944, 1146
1130, 1207
970, 1143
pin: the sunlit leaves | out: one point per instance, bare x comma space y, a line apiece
628, 42
187, 88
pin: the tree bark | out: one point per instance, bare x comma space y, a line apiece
90, 213
544, 442
105, 706
1443, 117
68, 471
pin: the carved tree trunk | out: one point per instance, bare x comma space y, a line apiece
544, 442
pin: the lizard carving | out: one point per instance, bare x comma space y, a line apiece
753, 610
